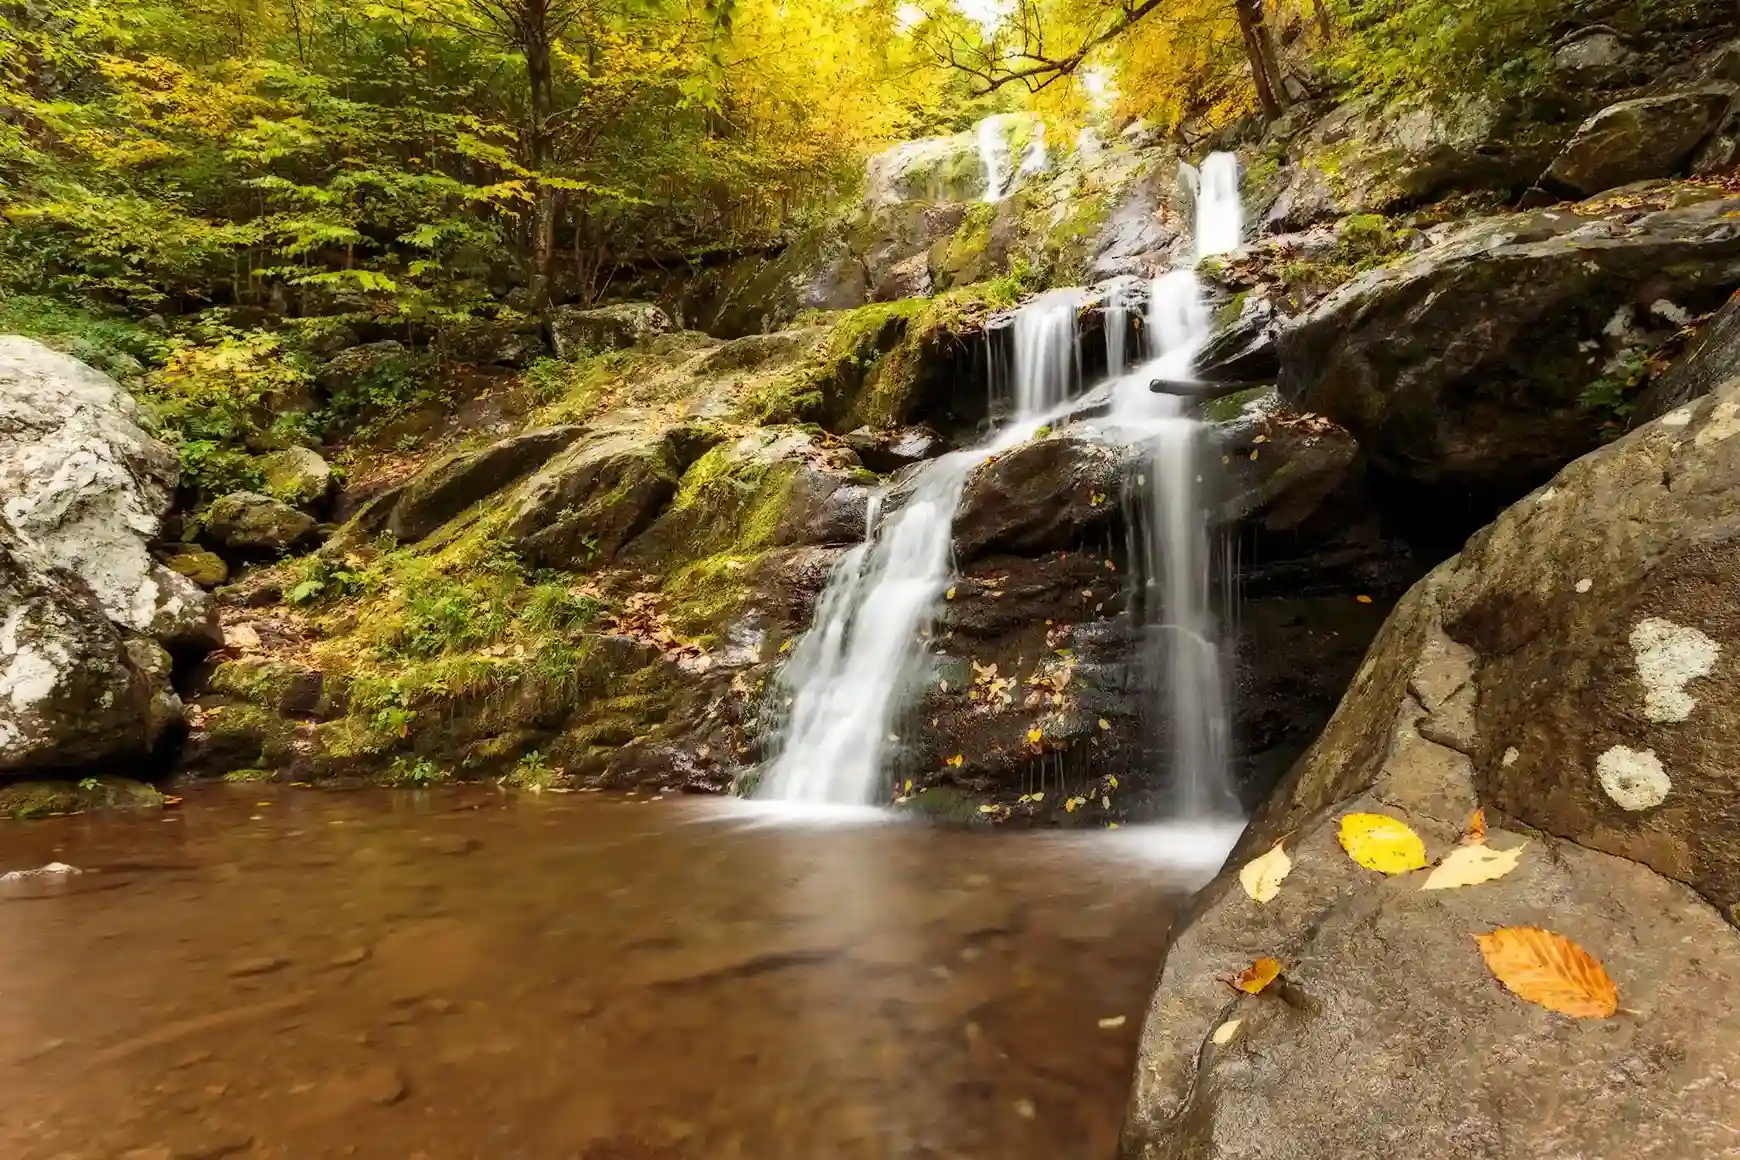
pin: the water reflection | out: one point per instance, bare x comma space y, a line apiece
473, 975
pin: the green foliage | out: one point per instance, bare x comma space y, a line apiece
1613, 395
415, 774
322, 577
1443, 49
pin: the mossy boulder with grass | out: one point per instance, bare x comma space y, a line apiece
23, 800
299, 477
249, 522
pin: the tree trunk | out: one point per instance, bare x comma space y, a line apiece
1325, 22
1260, 49
535, 46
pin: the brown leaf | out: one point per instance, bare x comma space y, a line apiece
1257, 976
1549, 970
1475, 832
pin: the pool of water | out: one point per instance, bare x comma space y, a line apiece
467, 974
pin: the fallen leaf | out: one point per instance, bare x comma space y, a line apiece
1224, 1033
1040, 796
786, 647
1104, 724
1262, 877
1260, 439
1253, 453
1114, 1021
1105, 803
1550, 971
1254, 978
1113, 781
987, 809
949, 595
1382, 843
908, 788
1363, 599
1034, 736
1472, 865
1069, 806
1476, 831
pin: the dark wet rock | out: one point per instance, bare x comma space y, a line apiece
620, 325
71, 693
298, 476
1054, 492
1571, 671
1464, 367
586, 502
1595, 56
207, 569
1636, 140
1242, 345
511, 342
250, 522
447, 487
84, 485
1706, 364
894, 448
1142, 227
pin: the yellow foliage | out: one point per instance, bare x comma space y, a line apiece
1382, 843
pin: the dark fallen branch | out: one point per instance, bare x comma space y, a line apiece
1203, 392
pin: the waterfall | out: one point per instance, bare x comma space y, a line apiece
1116, 313
994, 157
1170, 546
855, 670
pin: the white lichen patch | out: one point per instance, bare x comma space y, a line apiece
28, 678
1510, 756
1662, 308
1584, 585
1723, 423
1634, 779
1669, 657
1677, 418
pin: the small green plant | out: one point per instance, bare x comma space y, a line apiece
324, 578
1613, 395
90, 785
418, 774
247, 776
533, 773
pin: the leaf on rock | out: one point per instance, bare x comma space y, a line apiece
1262, 877
1224, 1033
1550, 971
1381, 843
949, 595
1254, 978
1476, 829
957, 760
1104, 724
1472, 865
1363, 599
1034, 736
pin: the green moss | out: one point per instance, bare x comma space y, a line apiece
1229, 407
961, 258
825, 385
946, 804
251, 728
249, 776
38, 799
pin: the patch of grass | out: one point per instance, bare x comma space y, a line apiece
420, 773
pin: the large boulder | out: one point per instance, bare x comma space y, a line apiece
71, 691
1636, 140
82, 482
926, 169
586, 502
250, 522
298, 476
1476, 365
594, 330
1574, 672
1060, 491
450, 485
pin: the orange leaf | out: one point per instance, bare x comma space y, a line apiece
1475, 832
1549, 970
1257, 976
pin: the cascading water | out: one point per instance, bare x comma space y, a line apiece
1170, 544
994, 157
850, 676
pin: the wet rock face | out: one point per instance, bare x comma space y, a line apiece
1636, 140
70, 691
82, 482
1051, 493
1464, 368
1571, 669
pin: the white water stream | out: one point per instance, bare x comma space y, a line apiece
840, 698
854, 671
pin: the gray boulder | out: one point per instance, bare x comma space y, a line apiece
72, 692
82, 482
585, 503
618, 326
250, 522
358, 362
926, 169
1636, 140
1466, 366
450, 485
1572, 671
298, 476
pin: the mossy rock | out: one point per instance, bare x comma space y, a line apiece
22, 800
207, 569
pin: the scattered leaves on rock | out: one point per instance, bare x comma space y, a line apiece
1224, 1033
1262, 876
1382, 843
1550, 971
1475, 831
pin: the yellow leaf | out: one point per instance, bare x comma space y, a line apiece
1476, 830
1040, 796
1262, 877
1254, 978
1381, 843
1260, 439
949, 595
786, 647
1472, 865
908, 788
1224, 1033
1253, 453
1104, 724
987, 809
1549, 970
1069, 806
1363, 599
1114, 1021
1034, 736
1112, 781
956, 760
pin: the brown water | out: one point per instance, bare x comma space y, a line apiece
295, 974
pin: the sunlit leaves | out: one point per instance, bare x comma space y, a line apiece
1382, 843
